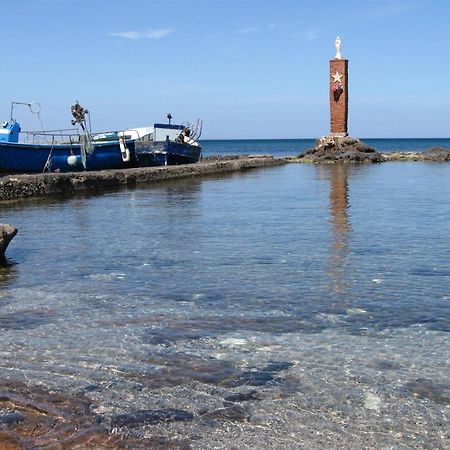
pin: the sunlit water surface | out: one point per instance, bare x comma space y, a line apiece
312, 302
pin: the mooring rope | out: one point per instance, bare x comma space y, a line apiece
48, 164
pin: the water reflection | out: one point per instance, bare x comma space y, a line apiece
8, 271
185, 194
341, 228
337, 175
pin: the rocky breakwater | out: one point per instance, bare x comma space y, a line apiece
438, 154
46, 184
7, 233
332, 149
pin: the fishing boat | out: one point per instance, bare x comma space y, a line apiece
69, 150
79, 149
168, 144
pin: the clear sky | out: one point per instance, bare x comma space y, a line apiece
248, 68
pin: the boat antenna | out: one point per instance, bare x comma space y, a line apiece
35, 108
169, 116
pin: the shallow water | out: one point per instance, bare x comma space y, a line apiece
293, 306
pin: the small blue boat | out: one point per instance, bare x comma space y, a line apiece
78, 149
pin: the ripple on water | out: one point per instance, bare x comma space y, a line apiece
297, 306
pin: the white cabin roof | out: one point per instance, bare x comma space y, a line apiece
137, 133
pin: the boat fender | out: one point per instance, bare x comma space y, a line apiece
124, 149
72, 160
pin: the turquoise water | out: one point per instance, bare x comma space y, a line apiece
292, 147
310, 303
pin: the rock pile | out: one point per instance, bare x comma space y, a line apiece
436, 154
331, 149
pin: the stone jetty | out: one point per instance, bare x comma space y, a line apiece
436, 154
350, 150
15, 187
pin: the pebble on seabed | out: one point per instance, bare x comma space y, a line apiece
372, 401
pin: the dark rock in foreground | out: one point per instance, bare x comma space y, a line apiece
332, 149
32, 418
7, 233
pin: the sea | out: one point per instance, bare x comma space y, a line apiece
292, 147
298, 306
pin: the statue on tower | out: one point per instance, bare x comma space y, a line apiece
338, 48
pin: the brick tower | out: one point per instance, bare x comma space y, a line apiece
338, 146
338, 93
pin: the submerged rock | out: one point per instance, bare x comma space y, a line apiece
31, 418
7, 233
11, 418
242, 396
258, 377
331, 149
149, 417
426, 388
233, 413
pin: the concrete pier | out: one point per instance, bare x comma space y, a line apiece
15, 187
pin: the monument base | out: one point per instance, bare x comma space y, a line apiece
339, 147
338, 135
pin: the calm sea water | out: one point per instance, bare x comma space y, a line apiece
309, 303
292, 147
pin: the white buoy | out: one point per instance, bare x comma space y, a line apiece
72, 160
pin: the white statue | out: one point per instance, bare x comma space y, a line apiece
338, 48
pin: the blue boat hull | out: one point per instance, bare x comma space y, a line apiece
20, 157
166, 153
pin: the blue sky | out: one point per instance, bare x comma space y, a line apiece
248, 68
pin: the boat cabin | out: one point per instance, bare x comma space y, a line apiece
160, 132
9, 132
166, 132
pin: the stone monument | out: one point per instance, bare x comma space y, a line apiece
338, 145
338, 93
